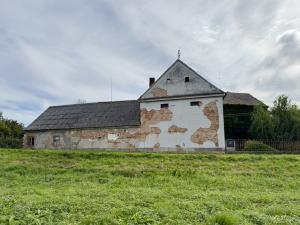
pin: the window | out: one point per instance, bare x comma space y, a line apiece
187, 79
56, 141
164, 106
196, 103
30, 141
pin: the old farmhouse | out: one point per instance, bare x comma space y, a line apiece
181, 111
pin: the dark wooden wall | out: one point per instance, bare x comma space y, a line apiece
237, 121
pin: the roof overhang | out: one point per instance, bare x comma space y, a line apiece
180, 97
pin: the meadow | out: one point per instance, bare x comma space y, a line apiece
99, 187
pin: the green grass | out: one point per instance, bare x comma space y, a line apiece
88, 187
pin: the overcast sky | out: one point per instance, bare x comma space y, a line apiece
55, 52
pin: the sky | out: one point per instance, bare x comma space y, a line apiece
55, 52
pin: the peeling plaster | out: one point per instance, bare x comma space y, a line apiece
159, 92
196, 127
208, 134
175, 129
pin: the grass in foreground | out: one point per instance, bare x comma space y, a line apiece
85, 187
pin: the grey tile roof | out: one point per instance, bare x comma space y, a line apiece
89, 115
232, 98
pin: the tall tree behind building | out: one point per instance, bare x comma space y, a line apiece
281, 122
11, 133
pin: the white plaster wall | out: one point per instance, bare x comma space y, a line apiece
185, 116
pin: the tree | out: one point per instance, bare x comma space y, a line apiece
286, 116
295, 130
281, 122
11, 132
3, 127
262, 125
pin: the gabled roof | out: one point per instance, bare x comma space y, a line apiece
89, 115
232, 98
172, 84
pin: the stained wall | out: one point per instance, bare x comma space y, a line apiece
179, 127
197, 126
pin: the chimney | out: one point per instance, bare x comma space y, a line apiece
151, 81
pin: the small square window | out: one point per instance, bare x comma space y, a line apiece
164, 106
187, 79
56, 140
195, 103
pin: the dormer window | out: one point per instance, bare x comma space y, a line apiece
187, 79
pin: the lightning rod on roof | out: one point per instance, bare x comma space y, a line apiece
178, 54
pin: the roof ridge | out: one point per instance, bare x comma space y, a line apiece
91, 103
238, 92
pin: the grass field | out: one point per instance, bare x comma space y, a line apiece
86, 187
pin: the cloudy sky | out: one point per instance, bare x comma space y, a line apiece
58, 51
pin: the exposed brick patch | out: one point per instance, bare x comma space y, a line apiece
159, 92
129, 138
175, 129
155, 116
208, 134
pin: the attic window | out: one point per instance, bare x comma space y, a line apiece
168, 79
187, 79
164, 106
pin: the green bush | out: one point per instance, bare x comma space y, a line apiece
256, 145
10, 142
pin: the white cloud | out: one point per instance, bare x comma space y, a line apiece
55, 52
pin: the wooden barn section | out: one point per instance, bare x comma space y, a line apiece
237, 114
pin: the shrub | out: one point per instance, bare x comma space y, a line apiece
256, 145
10, 142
